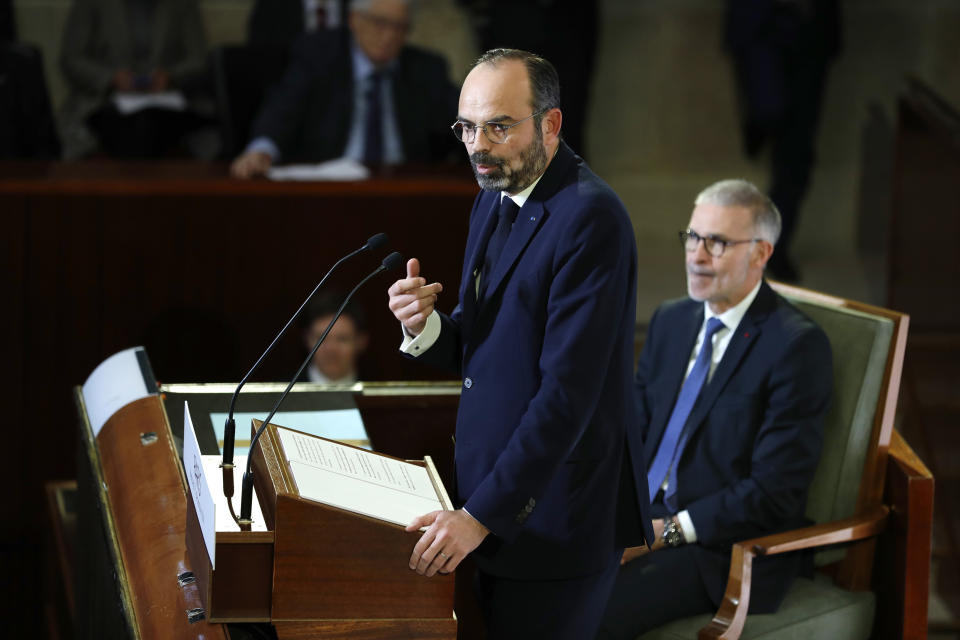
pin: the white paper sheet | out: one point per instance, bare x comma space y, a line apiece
359, 481
199, 487
339, 170
127, 103
115, 383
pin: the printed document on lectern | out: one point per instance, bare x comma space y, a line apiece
359, 481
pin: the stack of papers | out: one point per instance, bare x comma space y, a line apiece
359, 481
339, 170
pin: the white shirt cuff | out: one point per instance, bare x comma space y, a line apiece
417, 345
689, 533
265, 145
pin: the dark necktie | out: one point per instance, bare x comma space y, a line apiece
373, 125
505, 217
668, 453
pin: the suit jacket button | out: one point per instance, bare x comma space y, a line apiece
468, 382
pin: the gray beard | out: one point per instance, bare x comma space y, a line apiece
532, 161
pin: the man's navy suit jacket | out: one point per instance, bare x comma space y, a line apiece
308, 115
753, 438
546, 359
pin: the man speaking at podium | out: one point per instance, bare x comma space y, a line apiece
543, 340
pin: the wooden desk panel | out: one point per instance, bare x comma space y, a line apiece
138, 255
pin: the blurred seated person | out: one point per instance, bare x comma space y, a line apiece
277, 23
135, 71
27, 128
361, 94
335, 362
732, 388
8, 25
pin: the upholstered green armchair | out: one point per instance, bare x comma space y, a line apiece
862, 455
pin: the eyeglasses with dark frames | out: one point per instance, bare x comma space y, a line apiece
714, 245
496, 132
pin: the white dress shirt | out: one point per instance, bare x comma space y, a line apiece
315, 375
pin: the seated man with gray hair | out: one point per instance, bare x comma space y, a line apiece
362, 94
732, 388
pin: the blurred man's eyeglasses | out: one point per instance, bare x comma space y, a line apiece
496, 132
714, 245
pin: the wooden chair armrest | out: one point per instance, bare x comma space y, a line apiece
818, 535
901, 452
728, 622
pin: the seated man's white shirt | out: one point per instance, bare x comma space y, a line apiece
315, 375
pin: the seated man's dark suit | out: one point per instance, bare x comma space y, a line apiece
546, 357
308, 115
753, 442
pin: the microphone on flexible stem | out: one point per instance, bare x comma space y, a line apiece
228, 490
230, 427
392, 261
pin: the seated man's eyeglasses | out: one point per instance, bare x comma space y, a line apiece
496, 132
714, 245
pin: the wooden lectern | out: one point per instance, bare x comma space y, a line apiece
318, 567
317, 571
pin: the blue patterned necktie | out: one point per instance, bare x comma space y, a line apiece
667, 452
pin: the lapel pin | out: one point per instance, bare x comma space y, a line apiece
532, 219
746, 334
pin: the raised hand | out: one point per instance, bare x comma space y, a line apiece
412, 299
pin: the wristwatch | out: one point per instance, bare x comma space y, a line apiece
672, 533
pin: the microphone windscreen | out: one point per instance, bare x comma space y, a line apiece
376, 241
393, 261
